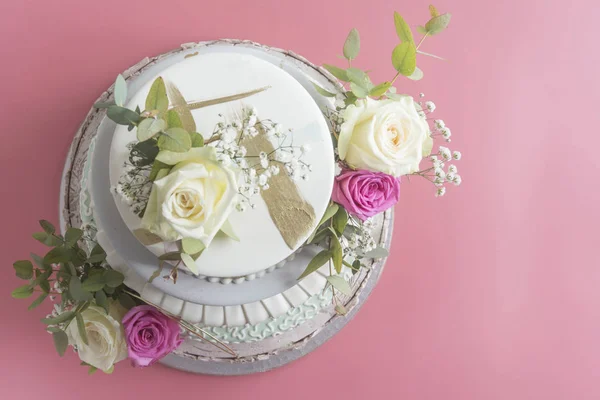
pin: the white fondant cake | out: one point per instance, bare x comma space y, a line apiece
208, 76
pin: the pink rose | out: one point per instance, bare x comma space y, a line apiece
365, 193
150, 335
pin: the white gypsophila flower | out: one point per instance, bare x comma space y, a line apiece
274, 169
430, 105
305, 148
438, 180
262, 179
450, 176
446, 133
264, 163
445, 153
439, 173
439, 124
452, 168
421, 94
457, 180
252, 121
456, 155
265, 186
440, 192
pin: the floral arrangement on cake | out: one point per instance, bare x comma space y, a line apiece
184, 186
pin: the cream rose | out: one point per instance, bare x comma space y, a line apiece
106, 339
384, 135
194, 199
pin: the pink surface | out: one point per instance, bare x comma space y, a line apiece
492, 292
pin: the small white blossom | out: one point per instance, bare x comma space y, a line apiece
450, 176
456, 155
439, 124
445, 153
457, 180
440, 192
446, 133
305, 148
264, 163
430, 105
452, 168
274, 169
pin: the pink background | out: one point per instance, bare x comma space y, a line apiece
492, 292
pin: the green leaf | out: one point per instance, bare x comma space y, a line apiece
190, 263
39, 261
38, 301
156, 273
355, 266
197, 139
157, 96
337, 72
227, 229
101, 300
340, 220
57, 255
432, 11
113, 278
173, 120
352, 45
380, 89
404, 58
337, 255
379, 252
66, 316
94, 283
350, 98
191, 246
61, 342
175, 139
143, 153
360, 78
156, 168
45, 286
47, 226
92, 369
422, 30
170, 256
122, 115
72, 236
437, 24
48, 239
23, 269
97, 255
22, 292
81, 328
417, 75
340, 284
320, 235
330, 212
120, 90
402, 29
317, 262
104, 104
359, 91
76, 290
149, 128
322, 91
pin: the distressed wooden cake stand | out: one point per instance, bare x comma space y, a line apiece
272, 352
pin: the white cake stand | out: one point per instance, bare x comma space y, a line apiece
271, 352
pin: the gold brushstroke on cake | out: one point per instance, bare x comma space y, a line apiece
190, 55
178, 104
291, 214
225, 99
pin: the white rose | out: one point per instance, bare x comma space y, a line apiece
384, 135
106, 338
194, 200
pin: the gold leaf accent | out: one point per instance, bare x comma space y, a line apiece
179, 106
190, 55
291, 214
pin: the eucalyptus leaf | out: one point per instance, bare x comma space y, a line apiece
57, 255
45, 286
417, 75
157, 96
437, 24
156, 168
192, 246
38, 301
122, 115
197, 139
76, 290
404, 58
322, 91
421, 29
320, 235
379, 252
156, 273
120, 90
170, 256
97, 255
47, 226
61, 342
360, 78
337, 72
101, 300
190, 263
22, 292
337, 255
175, 139
48, 239
143, 153
173, 119
352, 45
104, 104
340, 284
23, 269
317, 262
149, 128
81, 328
113, 278
64, 317
340, 220
162, 173
402, 29
72, 236
380, 89
39, 261
355, 266
228, 230
433, 11
350, 98
93, 283
329, 212
359, 91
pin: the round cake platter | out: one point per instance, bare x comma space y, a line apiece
92, 142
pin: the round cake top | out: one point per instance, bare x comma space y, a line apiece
265, 230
